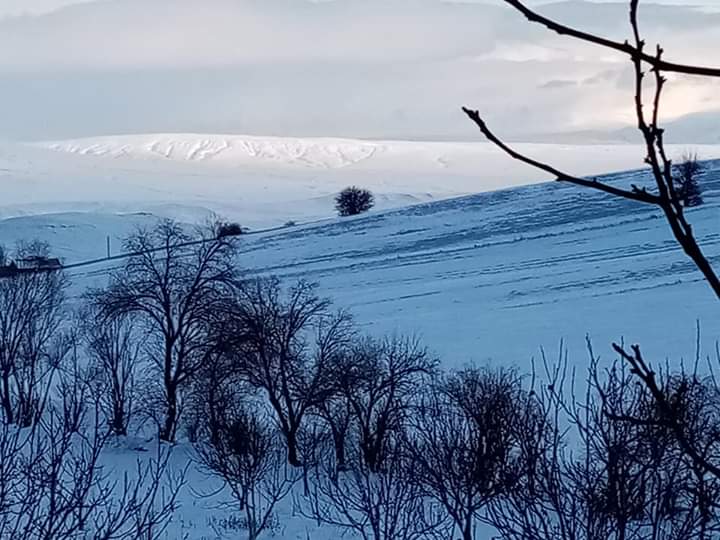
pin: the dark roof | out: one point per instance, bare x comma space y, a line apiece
39, 262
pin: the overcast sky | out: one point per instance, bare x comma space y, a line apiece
354, 68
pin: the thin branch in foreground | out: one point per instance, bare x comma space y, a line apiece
643, 371
635, 194
624, 47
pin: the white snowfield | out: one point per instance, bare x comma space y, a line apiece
490, 277
266, 181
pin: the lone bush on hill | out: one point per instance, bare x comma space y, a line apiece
353, 200
229, 229
688, 188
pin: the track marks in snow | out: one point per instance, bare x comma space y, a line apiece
526, 246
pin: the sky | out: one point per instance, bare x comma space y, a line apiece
375, 69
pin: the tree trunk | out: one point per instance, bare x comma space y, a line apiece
118, 422
6, 403
371, 454
339, 441
293, 458
468, 528
167, 433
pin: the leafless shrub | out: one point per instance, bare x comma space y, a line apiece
464, 441
686, 172
596, 474
228, 229
353, 200
385, 505
242, 448
53, 486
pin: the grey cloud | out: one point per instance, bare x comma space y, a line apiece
558, 83
355, 68
605, 76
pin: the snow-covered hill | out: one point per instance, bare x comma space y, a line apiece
226, 149
518, 268
490, 277
266, 181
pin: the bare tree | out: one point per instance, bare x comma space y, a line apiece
244, 450
115, 348
53, 486
588, 474
74, 385
281, 343
174, 284
335, 410
31, 310
666, 195
465, 442
379, 380
32, 248
386, 505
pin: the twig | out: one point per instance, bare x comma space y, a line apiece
636, 194
623, 47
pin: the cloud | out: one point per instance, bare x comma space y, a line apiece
558, 83
356, 68
25, 8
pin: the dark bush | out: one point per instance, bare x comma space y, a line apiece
353, 200
229, 229
686, 179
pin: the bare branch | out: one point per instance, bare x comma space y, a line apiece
668, 416
636, 194
623, 47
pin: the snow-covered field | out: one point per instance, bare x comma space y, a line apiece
266, 181
491, 277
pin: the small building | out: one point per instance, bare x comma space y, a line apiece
38, 264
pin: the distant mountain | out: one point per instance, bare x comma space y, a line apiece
691, 129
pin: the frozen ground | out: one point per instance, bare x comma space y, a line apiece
491, 277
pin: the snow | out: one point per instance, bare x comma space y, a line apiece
266, 181
484, 278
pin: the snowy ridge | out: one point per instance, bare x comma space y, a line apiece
267, 181
479, 159
320, 153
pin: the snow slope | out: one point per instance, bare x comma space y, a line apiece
517, 254
491, 277
266, 181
